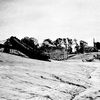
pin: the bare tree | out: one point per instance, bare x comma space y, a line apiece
70, 42
77, 46
66, 47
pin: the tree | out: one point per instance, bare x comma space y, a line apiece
82, 46
66, 47
58, 42
32, 42
70, 42
77, 46
28, 46
47, 43
7, 44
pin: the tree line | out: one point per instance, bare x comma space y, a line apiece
30, 47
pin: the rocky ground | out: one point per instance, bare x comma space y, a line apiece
29, 79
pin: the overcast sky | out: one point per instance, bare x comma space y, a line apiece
42, 19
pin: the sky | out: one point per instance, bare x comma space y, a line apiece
52, 19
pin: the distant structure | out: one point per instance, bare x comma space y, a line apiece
96, 44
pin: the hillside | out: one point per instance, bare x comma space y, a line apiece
29, 79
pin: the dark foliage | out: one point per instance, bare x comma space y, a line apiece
27, 47
31, 42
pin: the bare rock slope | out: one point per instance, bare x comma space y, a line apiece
29, 79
